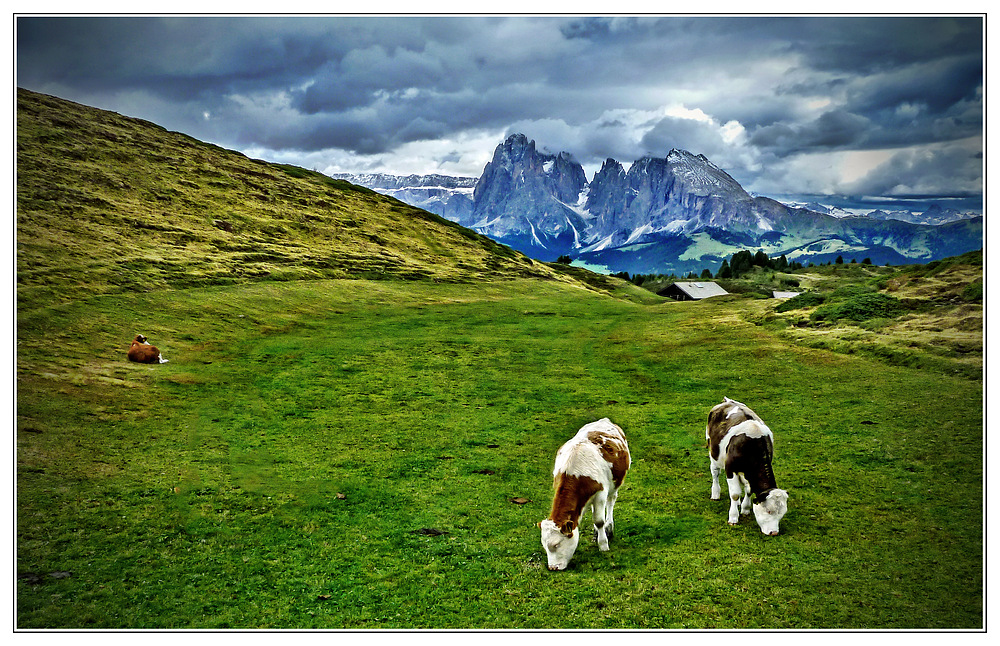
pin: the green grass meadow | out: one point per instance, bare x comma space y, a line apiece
338, 454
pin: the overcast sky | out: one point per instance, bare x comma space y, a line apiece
796, 105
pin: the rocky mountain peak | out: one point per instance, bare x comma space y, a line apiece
612, 166
515, 148
527, 195
677, 211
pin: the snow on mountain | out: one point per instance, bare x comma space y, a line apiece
447, 196
933, 215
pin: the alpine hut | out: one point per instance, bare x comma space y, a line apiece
692, 291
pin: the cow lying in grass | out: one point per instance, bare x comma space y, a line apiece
740, 443
588, 472
141, 352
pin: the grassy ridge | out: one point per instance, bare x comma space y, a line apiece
204, 492
927, 316
107, 203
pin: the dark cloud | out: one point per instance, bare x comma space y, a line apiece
598, 87
684, 134
867, 45
587, 28
912, 172
834, 130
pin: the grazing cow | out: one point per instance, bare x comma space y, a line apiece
740, 443
141, 352
588, 471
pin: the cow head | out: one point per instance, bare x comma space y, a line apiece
770, 511
140, 338
559, 542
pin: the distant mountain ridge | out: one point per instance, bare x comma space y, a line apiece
446, 195
680, 213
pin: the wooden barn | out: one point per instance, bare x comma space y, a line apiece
692, 291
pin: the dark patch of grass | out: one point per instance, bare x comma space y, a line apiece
973, 292
802, 301
859, 307
935, 267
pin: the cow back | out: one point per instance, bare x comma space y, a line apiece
142, 353
724, 417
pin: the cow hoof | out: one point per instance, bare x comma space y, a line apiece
718, 497
734, 523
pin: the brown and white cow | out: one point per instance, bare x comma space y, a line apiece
588, 472
740, 443
141, 352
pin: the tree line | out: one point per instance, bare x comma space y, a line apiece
736, 266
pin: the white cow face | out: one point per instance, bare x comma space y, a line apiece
770, 512
559, 547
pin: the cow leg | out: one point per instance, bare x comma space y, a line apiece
733, 484
609, 517
600, 521
715, 469
747, 495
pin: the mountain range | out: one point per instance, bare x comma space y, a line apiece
447, 196
676, 214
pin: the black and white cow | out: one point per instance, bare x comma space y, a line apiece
588, 472
741, 444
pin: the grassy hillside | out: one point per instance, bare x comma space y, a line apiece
108, 203
928, 316
912, 315
324, 450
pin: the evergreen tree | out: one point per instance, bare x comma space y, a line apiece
725, 271
706, 273
741, 263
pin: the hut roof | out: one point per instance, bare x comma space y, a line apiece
696, 290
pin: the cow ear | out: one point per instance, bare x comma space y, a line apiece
567, 528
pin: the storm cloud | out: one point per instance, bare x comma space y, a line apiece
769, 99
